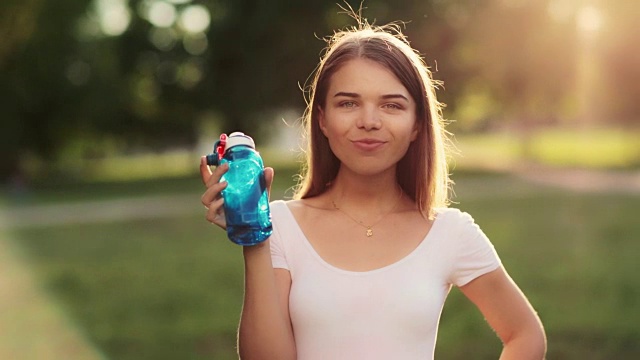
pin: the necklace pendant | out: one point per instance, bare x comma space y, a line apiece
369, 232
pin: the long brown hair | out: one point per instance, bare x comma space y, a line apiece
422, 172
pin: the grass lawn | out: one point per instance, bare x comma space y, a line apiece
172, 288
574, 255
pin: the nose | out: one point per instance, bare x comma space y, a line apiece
369, 119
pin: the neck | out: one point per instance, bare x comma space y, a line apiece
365, 194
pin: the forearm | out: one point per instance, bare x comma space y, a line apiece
510, 314
526, 346
265, 332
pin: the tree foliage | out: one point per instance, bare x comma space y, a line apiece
74, 84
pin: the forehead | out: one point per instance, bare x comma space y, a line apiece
364, 75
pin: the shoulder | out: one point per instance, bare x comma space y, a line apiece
302, 208
280, 206
295, 204
277, 206
452, 215
456, 221
278, 203
280, 212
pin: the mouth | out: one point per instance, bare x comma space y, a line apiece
368, 144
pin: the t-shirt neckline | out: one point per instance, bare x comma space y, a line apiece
434, 228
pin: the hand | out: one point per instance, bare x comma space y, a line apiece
212, 199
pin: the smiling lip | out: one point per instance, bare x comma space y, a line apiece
368, 144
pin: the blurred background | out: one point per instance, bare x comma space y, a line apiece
107, 105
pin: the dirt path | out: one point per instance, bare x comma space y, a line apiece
32, 326
96, 211
173, 205
580, 180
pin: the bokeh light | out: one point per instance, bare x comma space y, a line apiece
195, 44
114, 16
195, 19
163, 38
161, 14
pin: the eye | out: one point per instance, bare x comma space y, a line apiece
348, 104
393, 106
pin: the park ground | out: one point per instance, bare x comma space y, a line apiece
32, 324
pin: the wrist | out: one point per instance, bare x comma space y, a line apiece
257, 248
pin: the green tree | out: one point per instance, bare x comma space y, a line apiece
83, 80
36, 36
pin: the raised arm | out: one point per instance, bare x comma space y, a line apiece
265, 326
510, 314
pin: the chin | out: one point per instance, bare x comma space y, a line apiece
367, 169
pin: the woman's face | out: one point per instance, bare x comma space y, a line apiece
369, 117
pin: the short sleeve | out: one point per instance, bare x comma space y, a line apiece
474, 254
278, 258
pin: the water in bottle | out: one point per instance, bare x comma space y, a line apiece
246, 202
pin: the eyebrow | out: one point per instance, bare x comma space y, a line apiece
355, 95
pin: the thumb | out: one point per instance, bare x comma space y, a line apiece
205, 171
268, 177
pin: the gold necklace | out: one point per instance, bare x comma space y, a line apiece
369, 228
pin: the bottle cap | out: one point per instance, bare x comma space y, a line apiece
239, 138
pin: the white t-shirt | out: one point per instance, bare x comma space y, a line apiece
387, 313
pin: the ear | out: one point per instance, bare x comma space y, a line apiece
415, 132
321, 121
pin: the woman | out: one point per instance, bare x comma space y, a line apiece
361, 261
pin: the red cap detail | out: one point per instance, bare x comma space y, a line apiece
221, 146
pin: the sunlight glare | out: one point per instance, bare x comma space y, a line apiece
589, 19
561, 10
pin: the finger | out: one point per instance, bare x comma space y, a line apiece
205, 170
268, 177
212, 193
215, 209
215, 214
217, 174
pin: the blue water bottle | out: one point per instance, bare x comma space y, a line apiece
246, 202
